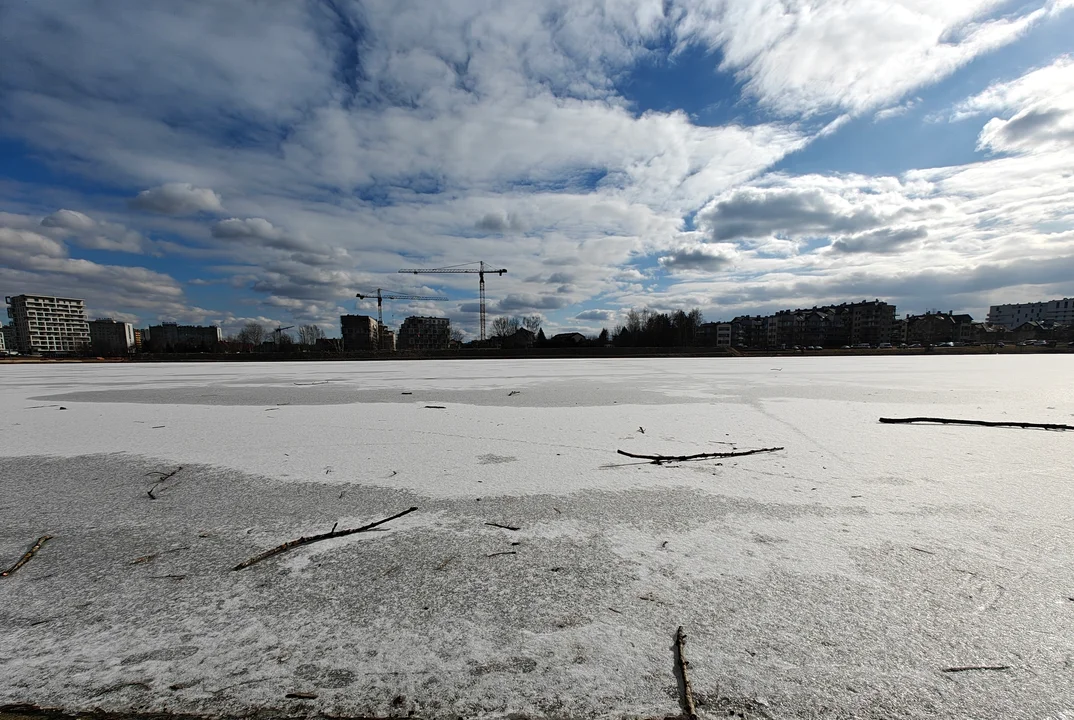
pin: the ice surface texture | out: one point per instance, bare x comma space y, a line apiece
836, 578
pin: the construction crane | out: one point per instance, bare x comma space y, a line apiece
480, 272
381, 297
278, 333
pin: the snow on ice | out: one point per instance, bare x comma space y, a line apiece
838, 577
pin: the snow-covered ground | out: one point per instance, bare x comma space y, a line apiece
835, 578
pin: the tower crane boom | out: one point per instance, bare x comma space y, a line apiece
382, 296
481, 270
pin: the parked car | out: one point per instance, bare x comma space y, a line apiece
884, 346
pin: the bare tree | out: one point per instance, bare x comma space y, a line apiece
457, 335
252, 334
504, 326
309, 334
532, 323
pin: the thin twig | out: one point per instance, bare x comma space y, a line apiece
435, 407
922, 550
684, 664
505, 527
965, 668
29, 554
984, 423
160, 481
317, 538
509, 552
659, 459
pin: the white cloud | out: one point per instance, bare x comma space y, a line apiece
69, 220
93, 234
803, 57
177, 199
352, 142
1035, 111
699, 257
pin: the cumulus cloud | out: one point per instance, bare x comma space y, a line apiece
1034, 112
780, 208
69, 220
884, 240
697, 258
516, 302
596, 315
36, 262
177, 199
260, 231
89, 233
498, 223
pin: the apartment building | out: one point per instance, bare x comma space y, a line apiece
1010, 316
48, 325
424, 333
360, 332
173, 337
111, 338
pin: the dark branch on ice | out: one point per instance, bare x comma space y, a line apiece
982, 423
660, 459
291, 544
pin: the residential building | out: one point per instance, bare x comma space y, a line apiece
3, 344
48, 325
360, 332
424, 333
714, 334
387, 339
8, 333
937, 327
520, 339
172, 337
1011, 316
111, 338
138, 339
567, 339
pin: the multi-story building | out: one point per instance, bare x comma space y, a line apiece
172, 337
424, 333
8, 333
111, 338
938, 327
360, 332
1060, 312
48, 325
3, 344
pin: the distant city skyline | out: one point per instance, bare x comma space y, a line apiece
226, 163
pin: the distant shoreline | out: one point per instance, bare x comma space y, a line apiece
544, 354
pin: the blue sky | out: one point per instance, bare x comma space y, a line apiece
222, 163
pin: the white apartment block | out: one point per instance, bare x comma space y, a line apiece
1011, 316
3, 344
48, 325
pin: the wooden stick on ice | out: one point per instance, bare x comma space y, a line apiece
684, 664
983, 423
316, 538
658, 459
27, 556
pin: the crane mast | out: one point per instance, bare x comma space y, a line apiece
481, 270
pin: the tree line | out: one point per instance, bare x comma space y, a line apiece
253, 335
646, 328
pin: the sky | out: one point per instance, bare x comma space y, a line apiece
221, 163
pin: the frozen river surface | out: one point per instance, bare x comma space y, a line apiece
839, 577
